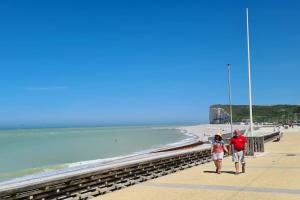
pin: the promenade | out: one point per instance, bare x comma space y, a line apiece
272, 175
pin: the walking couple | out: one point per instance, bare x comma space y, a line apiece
237, 146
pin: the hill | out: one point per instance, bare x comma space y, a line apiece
263, 113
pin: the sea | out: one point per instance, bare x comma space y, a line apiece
26, 152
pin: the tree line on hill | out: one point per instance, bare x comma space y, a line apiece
263, 113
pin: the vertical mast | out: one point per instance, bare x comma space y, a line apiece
230, 103
249, 76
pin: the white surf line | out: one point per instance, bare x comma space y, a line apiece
220, 187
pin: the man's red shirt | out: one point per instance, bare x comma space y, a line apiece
238, 142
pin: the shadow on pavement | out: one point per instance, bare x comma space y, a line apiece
214, 172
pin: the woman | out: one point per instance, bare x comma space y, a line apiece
217, 151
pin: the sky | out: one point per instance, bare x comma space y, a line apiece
154, 61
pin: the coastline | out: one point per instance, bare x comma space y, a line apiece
112, 163
204, 131
53, 170
44, 150
198, 138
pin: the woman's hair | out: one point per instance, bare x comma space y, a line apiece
218, 137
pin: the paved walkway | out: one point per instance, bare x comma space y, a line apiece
272, 175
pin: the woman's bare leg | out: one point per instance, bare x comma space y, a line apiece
219, 166
216, 164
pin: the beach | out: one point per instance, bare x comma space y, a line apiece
204, 131
186, 157
189, 136
34, 151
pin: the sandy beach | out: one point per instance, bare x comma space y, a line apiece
204, 131
197, 133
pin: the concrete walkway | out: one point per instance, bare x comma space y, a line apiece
272, 175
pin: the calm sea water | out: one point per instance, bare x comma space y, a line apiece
28, 151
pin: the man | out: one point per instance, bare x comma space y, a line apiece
238, 149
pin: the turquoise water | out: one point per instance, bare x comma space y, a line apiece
28, 151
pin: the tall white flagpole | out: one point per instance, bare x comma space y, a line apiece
229, 86
249, 76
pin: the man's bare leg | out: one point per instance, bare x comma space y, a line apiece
237, 167
243, 167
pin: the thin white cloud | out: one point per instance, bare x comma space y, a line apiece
50, 88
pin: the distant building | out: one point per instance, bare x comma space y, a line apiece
218, 116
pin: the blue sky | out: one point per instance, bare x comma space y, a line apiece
103, 62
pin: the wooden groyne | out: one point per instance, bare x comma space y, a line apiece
86, 185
